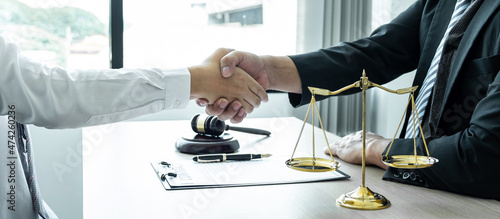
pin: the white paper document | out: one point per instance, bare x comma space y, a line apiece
266, 171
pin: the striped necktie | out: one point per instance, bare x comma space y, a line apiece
430, 79
27, 160
450, 47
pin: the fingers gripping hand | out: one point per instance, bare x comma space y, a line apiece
221, 109
231, 95
254, 66
225, 112
208, 84
244, 89
249, 62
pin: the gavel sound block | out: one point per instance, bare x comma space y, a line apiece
210, 137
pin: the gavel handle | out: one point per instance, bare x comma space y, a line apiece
249, 130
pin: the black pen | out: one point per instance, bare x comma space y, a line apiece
224, 157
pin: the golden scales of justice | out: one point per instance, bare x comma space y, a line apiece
362, 197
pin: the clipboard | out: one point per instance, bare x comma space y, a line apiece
188, 174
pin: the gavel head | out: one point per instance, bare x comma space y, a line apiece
204, 124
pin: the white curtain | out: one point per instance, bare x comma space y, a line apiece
344, 20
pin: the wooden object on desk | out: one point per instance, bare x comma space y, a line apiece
120, 183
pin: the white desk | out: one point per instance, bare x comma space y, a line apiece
119, 181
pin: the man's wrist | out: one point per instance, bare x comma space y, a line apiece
375, 151
282, 74
195, 92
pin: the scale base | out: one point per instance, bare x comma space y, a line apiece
363, 199
206, 144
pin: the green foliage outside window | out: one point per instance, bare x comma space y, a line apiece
46, 28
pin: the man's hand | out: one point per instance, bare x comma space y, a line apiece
223, 109
207, 83
271, 72
350, 147
250, 63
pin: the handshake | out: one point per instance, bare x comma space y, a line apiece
230, 84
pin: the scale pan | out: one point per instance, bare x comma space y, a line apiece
310, 164
410, 161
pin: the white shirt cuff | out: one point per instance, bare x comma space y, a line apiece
178, 88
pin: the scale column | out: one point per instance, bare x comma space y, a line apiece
362, 197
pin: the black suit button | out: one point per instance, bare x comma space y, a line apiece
406, 175
413, 176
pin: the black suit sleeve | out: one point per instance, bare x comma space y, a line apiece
468, 160
391, 50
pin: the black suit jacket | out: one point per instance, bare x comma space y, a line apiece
467, 141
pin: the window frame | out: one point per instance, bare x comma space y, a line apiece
116, 33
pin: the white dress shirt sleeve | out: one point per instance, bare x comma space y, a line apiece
53, 97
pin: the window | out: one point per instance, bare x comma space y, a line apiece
170, 34
76, 34
72, 34
164, 34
